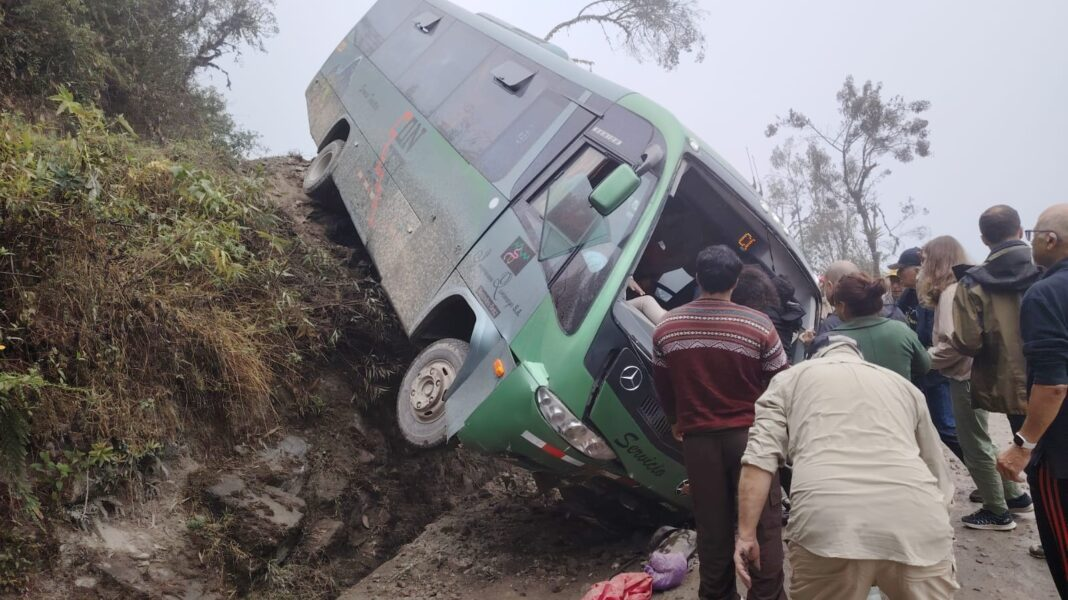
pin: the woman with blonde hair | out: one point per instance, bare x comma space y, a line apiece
936, 287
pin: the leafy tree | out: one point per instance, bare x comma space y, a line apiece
139, 58
830, 191
663, 30
215, 28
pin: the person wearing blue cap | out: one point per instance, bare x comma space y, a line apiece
921, 319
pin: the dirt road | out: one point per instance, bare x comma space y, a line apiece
510, 543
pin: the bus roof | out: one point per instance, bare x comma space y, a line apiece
534, 49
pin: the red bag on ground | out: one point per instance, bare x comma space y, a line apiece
625, 586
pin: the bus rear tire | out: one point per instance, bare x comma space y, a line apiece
424, 389
319, 177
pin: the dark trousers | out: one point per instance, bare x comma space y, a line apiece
940, 405
1051, 514
713, 464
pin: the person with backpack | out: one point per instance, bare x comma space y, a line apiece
986, 327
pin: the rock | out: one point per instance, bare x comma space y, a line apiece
119, 541
268, 519
364, 457
359, 425
327, 486
85, 583
324, 535
293, 446
358, 537
127, 577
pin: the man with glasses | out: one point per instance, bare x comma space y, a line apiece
986, 322
1041, 444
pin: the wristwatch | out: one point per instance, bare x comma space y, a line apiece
1022, 442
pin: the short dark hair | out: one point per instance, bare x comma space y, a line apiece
862, 295
718, 268
785, 289
999, 223
755, 289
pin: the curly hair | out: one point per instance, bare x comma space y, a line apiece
755, 289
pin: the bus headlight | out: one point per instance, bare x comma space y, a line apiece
563, 422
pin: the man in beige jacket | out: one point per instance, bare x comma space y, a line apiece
870, 488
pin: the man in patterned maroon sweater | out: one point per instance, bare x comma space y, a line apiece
713, 360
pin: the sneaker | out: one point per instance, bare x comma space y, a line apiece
975, 497
984, 519
1021, 504
1037, 551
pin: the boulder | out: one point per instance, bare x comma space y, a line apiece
267, 520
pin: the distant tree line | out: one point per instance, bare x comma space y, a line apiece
137, 58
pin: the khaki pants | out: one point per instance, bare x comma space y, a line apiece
820, 578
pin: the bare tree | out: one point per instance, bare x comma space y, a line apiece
662, 30
843, 166
799, 193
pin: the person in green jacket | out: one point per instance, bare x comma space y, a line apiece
884, 342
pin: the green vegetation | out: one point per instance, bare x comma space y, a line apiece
138, 58
144, 298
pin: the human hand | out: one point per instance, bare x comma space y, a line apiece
807, 336
1012, 461
634, 287
746, 554
676, 433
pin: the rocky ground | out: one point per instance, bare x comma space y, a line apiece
334, 505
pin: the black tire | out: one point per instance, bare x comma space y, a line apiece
427, 428
319, 178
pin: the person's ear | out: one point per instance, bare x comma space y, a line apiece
1020, 233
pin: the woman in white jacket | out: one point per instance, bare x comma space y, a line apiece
936, 288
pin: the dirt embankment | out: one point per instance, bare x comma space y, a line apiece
306, 510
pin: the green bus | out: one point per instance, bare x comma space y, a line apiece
509, 201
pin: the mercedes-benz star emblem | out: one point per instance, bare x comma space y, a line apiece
630, 378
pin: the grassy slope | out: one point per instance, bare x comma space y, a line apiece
148, 295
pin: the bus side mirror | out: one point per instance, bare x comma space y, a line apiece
614, 190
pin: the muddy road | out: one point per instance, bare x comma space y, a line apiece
511, 544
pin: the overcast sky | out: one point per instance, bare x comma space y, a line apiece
996, 74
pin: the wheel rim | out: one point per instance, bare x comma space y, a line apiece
427, 392
320, 164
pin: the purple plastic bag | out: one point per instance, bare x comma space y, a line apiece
667, 570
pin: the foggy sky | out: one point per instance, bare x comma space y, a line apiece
996, 74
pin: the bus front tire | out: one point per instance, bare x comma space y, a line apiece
424, 391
